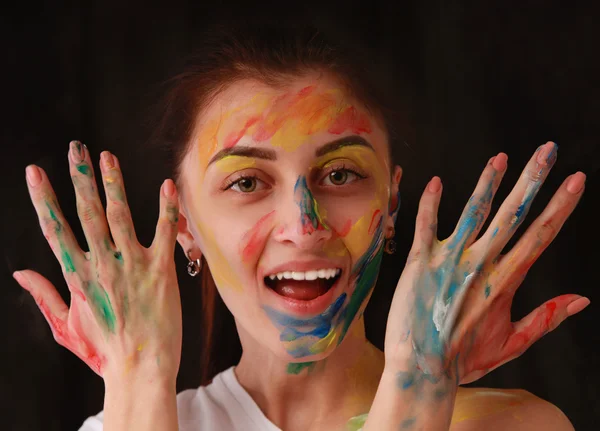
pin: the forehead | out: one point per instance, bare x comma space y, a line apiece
306, 111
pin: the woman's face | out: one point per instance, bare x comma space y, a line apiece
288, 194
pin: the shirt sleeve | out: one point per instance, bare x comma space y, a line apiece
93, 423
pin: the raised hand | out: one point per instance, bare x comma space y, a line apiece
125, 309
451, 310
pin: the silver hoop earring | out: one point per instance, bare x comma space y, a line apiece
390, 246
194, 266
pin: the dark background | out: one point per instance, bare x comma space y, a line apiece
477, 77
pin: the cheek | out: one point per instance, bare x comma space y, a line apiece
355, 221
254, 240
219, 256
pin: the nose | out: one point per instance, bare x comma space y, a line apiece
304, 225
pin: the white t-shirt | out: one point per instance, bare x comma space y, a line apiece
223, 405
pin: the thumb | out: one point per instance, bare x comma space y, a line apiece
48, 300
166, 228
542, 320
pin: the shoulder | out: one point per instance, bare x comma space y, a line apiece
501, 409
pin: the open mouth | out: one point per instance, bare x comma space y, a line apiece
303, 285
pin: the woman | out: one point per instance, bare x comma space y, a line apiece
285, 187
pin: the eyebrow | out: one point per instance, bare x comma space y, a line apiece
267, 154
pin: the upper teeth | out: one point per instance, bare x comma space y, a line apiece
306, 275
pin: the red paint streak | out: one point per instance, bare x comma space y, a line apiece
497, 340
305, 91
255, 237
371, 228
234, 137
345, 229
63, 336
352, 120
307, 225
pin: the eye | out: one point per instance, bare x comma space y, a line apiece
245, 184
340, 177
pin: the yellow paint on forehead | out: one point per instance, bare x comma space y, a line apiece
286, 120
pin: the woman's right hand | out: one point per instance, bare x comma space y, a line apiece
125, 310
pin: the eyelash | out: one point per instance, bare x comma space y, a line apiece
240, 178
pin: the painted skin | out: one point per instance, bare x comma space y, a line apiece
105, 283
296, 214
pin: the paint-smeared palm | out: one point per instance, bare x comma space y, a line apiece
125, 308
450, 317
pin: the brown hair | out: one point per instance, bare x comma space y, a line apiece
272, 55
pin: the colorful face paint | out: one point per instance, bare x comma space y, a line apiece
332, 325
241, 234
309, 209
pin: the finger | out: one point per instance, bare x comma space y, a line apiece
544, 229
516, 206
89, 206
117, 209
478, 208
166, 228
426, 222
48, 300
540, 321
56, 313
54, 226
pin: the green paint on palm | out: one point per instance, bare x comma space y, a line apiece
356, 423
488, 289
101, 304
296, 368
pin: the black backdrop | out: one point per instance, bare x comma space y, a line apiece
479, 78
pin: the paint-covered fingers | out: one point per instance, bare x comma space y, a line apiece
516, 206
54, 226
166, 228
539, 322
426, 222
544, 229
48, 300
118, 213
89, 206
478, 207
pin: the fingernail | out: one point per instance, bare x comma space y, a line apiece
20, 278
577, 305
500, 162
168, 188
547, 153
34, 177
576, 182
76, 151
107, 160
435, 185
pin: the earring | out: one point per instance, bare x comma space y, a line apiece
193, 267
390, 244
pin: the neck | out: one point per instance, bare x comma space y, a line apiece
329, 392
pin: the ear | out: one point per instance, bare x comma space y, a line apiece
394, 204
186, 239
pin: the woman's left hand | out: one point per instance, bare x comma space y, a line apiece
451, 312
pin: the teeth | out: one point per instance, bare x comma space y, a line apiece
307, 275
